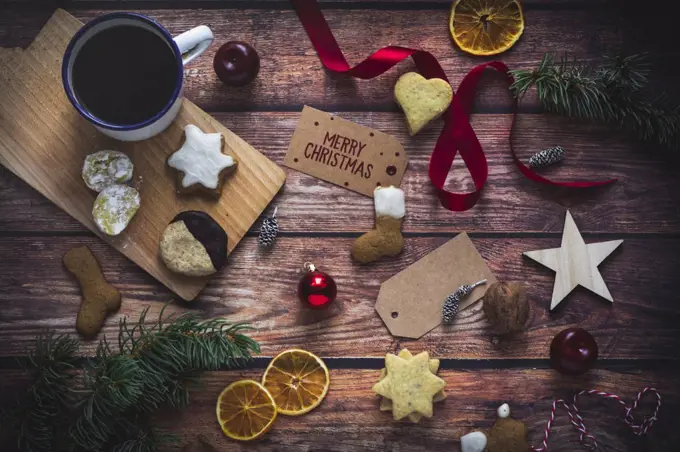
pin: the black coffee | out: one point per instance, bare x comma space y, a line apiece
125, 75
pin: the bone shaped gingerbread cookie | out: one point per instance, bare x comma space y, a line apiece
99, 297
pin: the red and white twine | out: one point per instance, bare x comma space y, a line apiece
576, 420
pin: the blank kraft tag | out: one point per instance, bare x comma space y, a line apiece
344, 153
410, 303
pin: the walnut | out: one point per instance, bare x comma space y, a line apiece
507, 307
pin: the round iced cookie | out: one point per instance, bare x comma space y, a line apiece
114, 208
105, 168
194, 244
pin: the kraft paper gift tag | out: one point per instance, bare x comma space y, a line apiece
410, 303
344, 153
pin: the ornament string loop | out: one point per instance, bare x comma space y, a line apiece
585, 438
457, 134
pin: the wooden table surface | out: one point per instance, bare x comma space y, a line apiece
638, 336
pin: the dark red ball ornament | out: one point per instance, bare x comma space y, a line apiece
316, 289
236, 63
573, 351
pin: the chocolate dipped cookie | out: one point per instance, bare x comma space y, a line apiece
194, 244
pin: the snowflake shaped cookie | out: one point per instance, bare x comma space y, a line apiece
200, 163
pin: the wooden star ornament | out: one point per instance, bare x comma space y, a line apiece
575, 263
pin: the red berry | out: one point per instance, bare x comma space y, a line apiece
573, 351
236, 63
317, 289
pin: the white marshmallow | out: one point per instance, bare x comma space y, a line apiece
504, 410
473, 442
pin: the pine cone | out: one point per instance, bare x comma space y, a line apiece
452, 302
450, 310
547, 157
268, 231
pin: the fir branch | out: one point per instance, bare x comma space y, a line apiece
611, 93
626, 73
114, 384
143, 442
136, 435
41, 419
109, 407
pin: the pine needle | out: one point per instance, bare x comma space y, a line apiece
611, 93
41, 421
106, 406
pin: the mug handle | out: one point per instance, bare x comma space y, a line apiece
193, 42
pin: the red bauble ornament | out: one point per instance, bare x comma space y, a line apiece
316, 289
236, 63
573, 351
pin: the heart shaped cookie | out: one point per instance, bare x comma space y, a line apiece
421, 99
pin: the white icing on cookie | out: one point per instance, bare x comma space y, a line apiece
389, 201
200, 158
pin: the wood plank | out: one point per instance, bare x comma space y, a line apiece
509, 202
291, 74
290, 70
349, 418
260, 288
18, 25
358, 4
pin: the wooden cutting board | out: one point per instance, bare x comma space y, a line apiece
44, 141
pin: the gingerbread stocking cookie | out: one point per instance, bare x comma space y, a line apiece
386, 238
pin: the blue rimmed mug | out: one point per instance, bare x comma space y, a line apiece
185, 47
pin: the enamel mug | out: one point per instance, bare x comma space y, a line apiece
185, 48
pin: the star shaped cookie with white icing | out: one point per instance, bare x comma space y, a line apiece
201, 166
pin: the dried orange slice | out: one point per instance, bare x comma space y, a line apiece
245, 410
298, 380
486, 27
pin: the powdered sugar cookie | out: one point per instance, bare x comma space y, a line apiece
105, 168
114, 208
200, 163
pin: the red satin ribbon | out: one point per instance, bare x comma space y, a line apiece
457, 134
